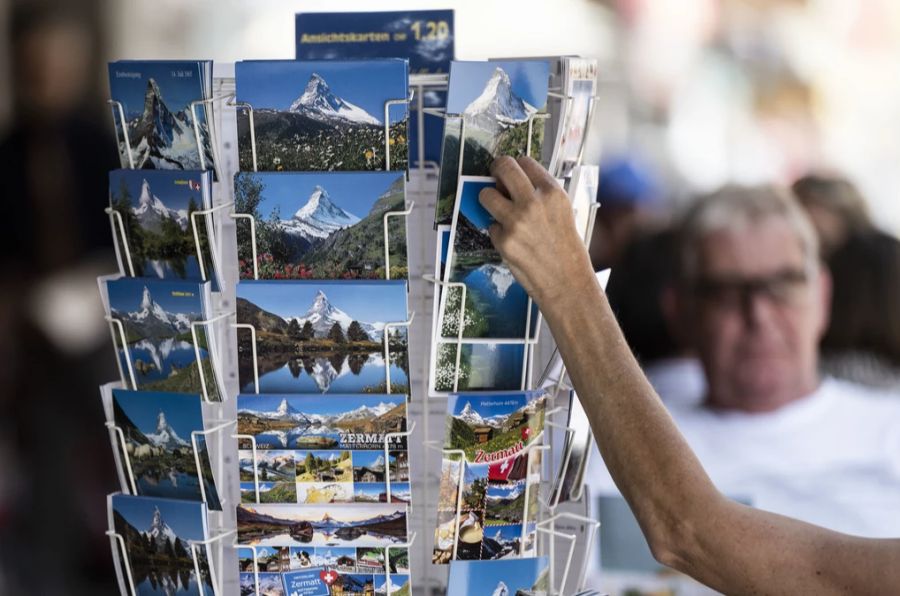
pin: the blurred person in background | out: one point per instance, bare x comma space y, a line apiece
629, 199
54, 163
862, 343
753, 301
636, 293
835, 207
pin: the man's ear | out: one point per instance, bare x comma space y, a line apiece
823, 289
676, 314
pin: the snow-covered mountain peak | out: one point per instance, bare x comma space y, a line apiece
469, 415
501, 590
319, 101
151, 211
285, 410
160, 531
319, 217
165, 436
499, 102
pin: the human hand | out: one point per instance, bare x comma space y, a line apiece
535, 230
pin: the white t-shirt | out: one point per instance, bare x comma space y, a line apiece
832, 458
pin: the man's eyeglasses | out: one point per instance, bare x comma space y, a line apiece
784, 287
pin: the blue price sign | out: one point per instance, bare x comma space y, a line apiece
425, 37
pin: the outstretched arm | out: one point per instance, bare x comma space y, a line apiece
688, 524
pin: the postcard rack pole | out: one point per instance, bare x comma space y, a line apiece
204, 434
459, 325
115, 221
386, 222
114, 322
120, 552
572, 541
387, 128
238, 105
534, 447
212, 574
252, 440
593, 524
418, 83
118, 438
119, 111
589, 121
531, 119
252, 220
212, 363
387, 558
387, 458
387, 350
211, 233
252, 331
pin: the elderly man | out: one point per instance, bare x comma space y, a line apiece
687, 522
752, 300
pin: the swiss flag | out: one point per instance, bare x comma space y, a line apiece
526, 433
329, 577
499, 472
193, 185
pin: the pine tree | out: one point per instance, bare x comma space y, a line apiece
293, 329
355, 332
309, 463
307, 332
337, 334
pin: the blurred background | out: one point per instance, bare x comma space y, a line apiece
695, 94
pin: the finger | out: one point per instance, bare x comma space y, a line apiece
538, 176
495, 203
512, 178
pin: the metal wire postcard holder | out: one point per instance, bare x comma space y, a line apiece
527, 453
117, 329
437, 339
588, 121
120, 556
120, 238
118, 441
408, 207
411, 538
243, 105
385, 343
118, 113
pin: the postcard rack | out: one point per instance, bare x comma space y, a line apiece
425, 407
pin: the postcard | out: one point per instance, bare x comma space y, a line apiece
495, 426
323, 336
158, 535
482, 367
325, 225
341, 561
323, 115
375, 524
156, 99
496, 305
156, 209
500, 578
345, 422
270, 584
160, 351
583, 193
487, 513
157, 428
580, 86
497, 101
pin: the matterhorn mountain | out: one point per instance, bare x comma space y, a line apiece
498, 102
165, 436
286, 410
320, 103
469, 415
322, 315
159, 531
318, 218
151, 212
501, 590
164, 139
500, 278
154, 321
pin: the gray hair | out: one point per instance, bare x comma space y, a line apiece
735, 207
